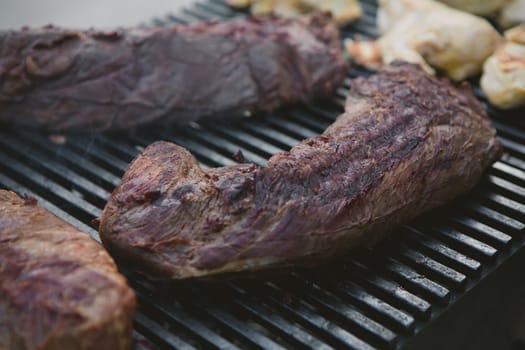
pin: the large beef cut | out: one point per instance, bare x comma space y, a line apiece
407, 142
59, 289
64, 79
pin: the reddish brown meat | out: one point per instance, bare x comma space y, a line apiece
64, 79
59, 289
406, 143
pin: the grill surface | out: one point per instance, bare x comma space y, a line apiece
370, 298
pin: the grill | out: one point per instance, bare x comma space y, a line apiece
439, 281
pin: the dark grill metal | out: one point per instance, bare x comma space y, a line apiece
370, 298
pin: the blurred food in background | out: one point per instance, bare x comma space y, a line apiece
344, 11
503, 80
432, 34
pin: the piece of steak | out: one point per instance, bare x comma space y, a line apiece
406, 143
64, 79
59, 289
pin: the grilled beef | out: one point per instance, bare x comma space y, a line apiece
63, 79
407, 142
59, 289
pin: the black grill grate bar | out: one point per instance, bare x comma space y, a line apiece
204, 154
431, 267
96, 194
207, 157
390, 290
517, 175
516, 162
241, 329
464, 243
140, 342
362, 28
434, 248
273, 320
126, 149
202, 11
511, 188
292, 127
369, 9
333, 307
47, 188
225, 147
354, 293
306, 118
396, 318
509, 131
324, 110
74, 161
480, 229
200, 332
157, 333
184, 18
292, 131
265, 149
202, 15
264, 132
228, 318
412, 280
245, 139
497, 219
6, 182
513, 148
98, 155
331, 332
509, 206
218, 9
506, 188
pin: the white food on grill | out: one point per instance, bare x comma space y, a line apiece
503, 80
479, 7
429, 33
344, 11
513, 13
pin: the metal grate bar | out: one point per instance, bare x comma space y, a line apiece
439, 250
156, 332
441, 272
401, 321
497, 219
390, 290
480, 229
271, 318
327, 303
19, 150
418, 282
72, 160
309, 318
46, 187
478, 248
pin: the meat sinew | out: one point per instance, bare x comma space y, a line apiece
407, 142
59, 289
64, 79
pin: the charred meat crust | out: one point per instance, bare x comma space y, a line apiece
407, 142
59, 289
63, 79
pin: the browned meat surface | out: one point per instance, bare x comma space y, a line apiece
64, 79
59, 289
407, 142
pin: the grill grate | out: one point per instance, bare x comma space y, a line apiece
371, 298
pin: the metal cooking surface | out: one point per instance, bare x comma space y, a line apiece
367, 299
